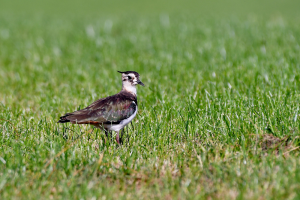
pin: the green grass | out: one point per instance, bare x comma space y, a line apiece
217, 90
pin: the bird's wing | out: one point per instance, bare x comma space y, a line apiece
112, 109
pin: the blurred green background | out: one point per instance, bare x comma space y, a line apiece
222, 86
125, 7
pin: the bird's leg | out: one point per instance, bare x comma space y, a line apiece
118, 137
106, 133
121, 135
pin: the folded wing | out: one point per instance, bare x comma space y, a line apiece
108, 110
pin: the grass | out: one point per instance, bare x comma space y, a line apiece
218, 118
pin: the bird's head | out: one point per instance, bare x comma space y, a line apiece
130, 79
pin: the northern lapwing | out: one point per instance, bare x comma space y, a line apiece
112, 113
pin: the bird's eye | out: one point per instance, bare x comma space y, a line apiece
129, 77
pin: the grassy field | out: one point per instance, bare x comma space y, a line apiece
218, 118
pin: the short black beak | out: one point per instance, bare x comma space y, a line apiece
140, 83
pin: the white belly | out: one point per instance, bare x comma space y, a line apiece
123, 123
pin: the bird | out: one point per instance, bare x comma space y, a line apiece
111, 113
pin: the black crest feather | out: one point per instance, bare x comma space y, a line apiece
130, 72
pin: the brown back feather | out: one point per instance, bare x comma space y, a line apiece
110, 109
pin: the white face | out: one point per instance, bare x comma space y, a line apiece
129, 79
129, 82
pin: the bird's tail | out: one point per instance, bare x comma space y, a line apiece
64, 119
